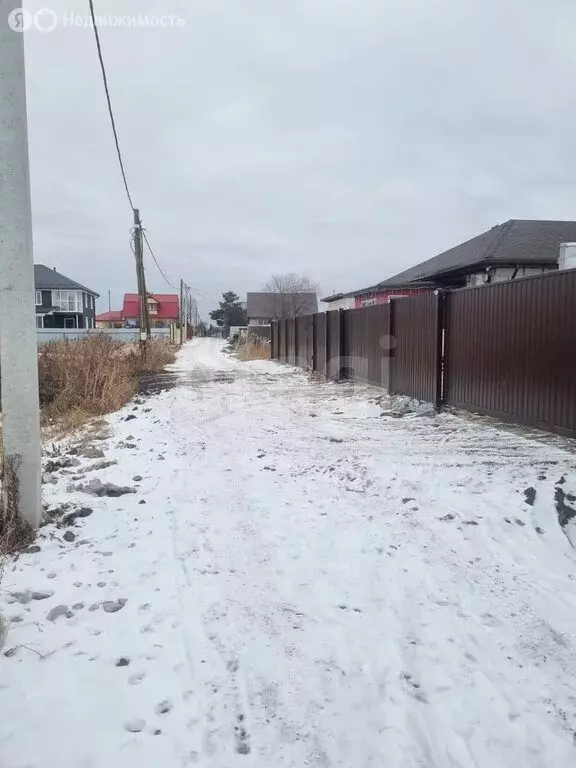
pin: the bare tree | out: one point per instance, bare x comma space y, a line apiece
292, 292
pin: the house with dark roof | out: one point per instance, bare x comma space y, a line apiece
518, 248
262, 308
62, 302
163, 311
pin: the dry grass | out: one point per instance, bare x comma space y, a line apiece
252, 348
90, 377
84, 378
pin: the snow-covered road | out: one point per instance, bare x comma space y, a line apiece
306, 583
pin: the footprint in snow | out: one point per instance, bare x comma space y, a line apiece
163, 708
135, 726
137, 678
413, 689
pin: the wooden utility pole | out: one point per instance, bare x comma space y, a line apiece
183, 328
18, 344
141, 279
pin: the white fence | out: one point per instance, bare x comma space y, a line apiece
44, 335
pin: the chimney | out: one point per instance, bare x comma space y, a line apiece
54, 268
567, 257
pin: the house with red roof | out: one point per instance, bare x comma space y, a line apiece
163, 311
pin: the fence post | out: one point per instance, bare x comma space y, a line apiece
342, 345
392, 351
314, 322
440, 358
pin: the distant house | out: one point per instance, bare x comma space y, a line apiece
111, 319
262, 308
62, 302
518, 248
338, 301
163, 311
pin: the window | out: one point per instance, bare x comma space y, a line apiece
152, 307
39, 321
67, 301
38, 298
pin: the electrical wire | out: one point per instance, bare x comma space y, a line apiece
156, 261
108, 100
116, 140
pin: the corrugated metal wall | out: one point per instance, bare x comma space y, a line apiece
511, 350
416, 367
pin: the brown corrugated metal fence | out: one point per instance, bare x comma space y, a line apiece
334, 344
511, 351
301, 341
319, 342
367, 345
417, 333
507, 349
291, 340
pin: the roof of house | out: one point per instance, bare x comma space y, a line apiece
515, 242
518, 241
114, 316
268, 305
48, 279
167, 306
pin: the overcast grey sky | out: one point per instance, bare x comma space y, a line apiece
348, 139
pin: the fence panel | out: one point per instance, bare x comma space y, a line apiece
366, 345
511, 351
291, 341
309, 340
274, 340
319, 336
333, 344
284, 340
416, 362
301, 341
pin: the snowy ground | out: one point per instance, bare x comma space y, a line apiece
308, 583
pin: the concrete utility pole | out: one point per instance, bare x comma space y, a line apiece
18, 344
142, 295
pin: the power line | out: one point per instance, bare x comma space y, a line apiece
110, 112
156, 261
116, 140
